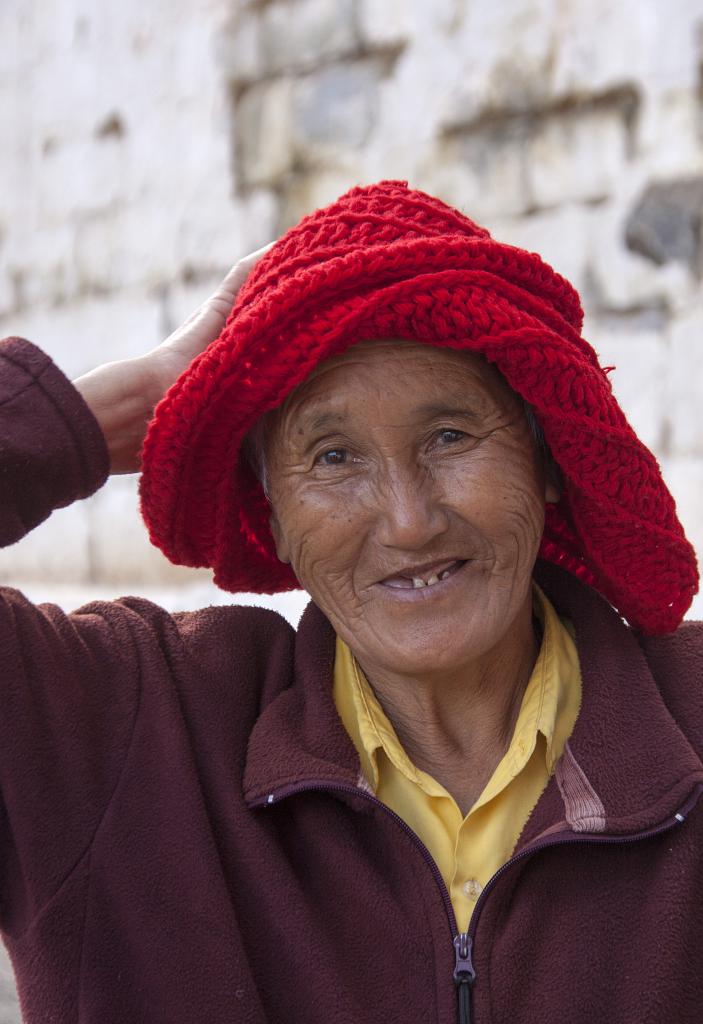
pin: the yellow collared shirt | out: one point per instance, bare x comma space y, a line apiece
468, 851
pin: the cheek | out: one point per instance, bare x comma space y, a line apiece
523, 523
321, 535
503, 498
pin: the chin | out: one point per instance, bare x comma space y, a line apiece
442, 650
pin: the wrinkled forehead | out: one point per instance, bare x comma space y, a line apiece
423, 374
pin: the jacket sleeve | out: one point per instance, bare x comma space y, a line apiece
52, 450
68, 683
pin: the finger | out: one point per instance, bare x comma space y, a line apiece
241, 270
208, 319
255, 256
221, 301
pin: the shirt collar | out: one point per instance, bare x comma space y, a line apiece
549, 705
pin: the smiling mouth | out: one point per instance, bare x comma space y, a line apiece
428, 578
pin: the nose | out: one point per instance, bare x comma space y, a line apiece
410, 512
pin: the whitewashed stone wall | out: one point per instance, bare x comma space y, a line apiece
146, 146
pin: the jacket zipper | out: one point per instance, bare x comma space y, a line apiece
464, 974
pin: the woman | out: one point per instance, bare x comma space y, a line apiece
466, 788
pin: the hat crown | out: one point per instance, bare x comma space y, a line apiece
377, 233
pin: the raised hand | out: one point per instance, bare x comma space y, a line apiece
122, 394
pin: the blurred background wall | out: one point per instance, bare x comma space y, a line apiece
147, 145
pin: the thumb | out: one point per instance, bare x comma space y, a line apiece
205, 323
240, 271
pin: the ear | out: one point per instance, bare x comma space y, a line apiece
279, 539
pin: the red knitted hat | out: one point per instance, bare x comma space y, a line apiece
387, 261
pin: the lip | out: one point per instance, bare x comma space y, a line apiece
441, 589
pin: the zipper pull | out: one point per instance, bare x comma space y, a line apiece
464, 975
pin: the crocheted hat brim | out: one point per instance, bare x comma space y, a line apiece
615, 525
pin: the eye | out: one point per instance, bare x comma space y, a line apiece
449, 436
333, 457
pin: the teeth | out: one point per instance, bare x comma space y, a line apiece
430, 581
417, 581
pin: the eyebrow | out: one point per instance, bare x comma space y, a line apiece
324, 420
427, 411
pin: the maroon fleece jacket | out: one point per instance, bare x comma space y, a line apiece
184, 839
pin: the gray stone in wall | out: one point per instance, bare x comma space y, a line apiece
561, 162
667, 223
286, 123
542, 156
300, 33
264, 142
238, 45
336, 106
483, 171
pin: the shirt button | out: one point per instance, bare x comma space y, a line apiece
473, 888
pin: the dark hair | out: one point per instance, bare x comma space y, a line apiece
533, 424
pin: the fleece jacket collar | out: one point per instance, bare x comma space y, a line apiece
627, 767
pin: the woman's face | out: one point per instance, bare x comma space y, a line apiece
408, 495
